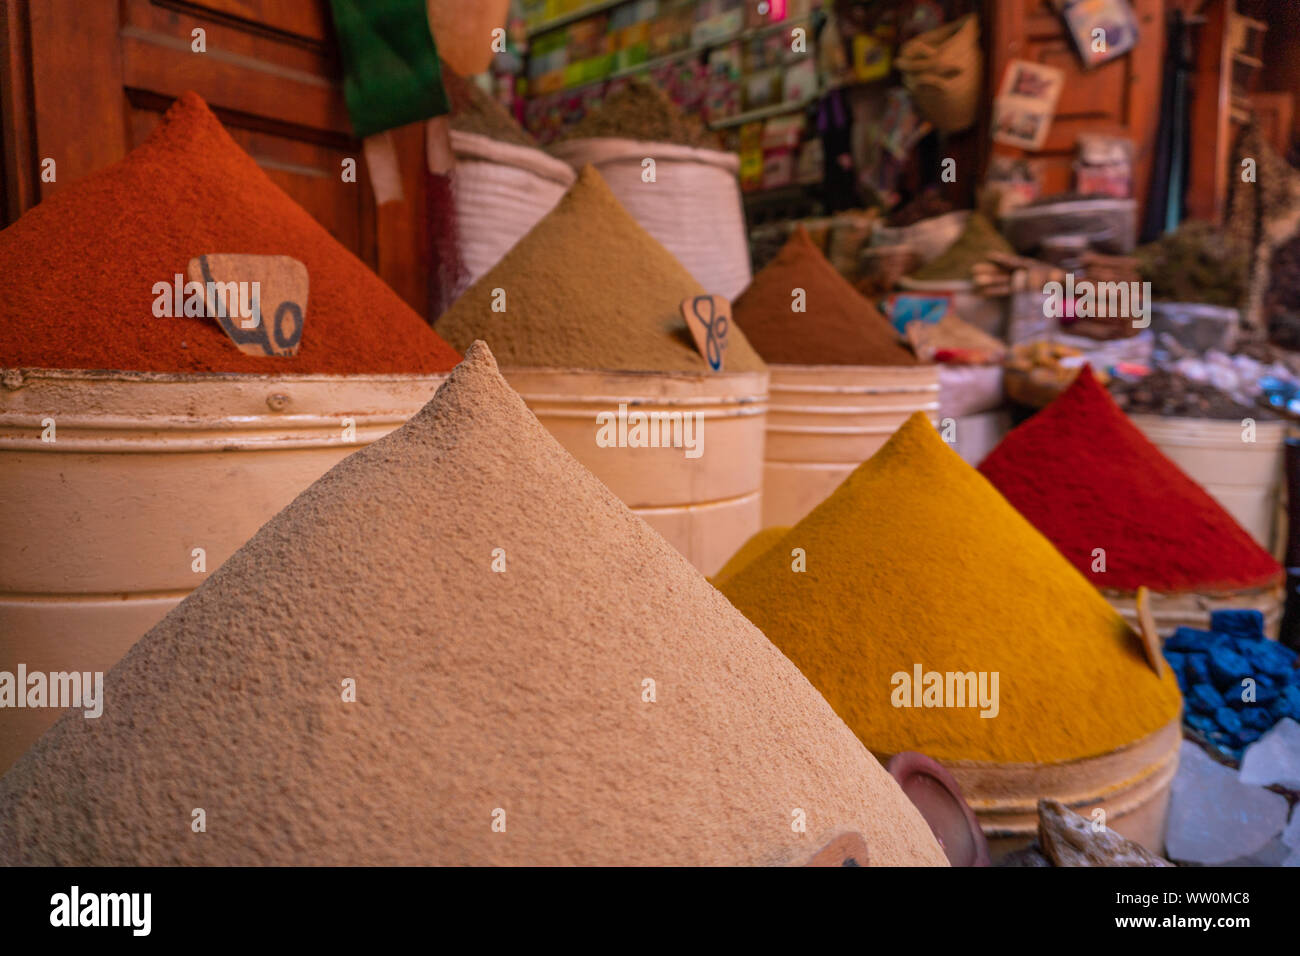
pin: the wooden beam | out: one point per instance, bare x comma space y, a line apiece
78, 105
18, 166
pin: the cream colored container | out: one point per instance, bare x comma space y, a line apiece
825, 420
501, 190
1131, 785
101, 525
693, 205
1242, 476
1193, 609
705, 506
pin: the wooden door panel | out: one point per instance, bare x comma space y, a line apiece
1120, 97
307, 20
1100, 92
311, 52
85, 94
240, 71
77, 108
311, 174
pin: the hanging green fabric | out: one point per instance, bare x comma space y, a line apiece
391, 75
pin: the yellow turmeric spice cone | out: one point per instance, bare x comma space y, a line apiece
923, 584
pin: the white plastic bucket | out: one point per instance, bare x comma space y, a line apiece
693, 206
1242, 476
101, 524
705, 506
501, 190
825, 420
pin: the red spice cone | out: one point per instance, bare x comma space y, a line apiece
78, 270
1088, 479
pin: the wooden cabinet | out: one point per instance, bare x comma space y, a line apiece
1120, 97
84, 82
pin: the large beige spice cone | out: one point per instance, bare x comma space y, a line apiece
516, 695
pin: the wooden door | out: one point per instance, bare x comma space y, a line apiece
1120, 97
84, 82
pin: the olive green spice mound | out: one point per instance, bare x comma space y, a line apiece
588, 288
1197, 262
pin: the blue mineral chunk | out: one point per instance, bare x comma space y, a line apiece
1177, 661
1232, 698
1256, 717
1262, 691
1227, 668
1237, 623
1204, 699
1189, 639
1287, 703
1266, 689
1201, 722
1228, 721
1198, 669
1270, 657
1243, 645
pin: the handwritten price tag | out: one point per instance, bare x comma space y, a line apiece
709, 318
259, 301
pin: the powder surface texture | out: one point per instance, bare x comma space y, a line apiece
916, 559
475, 689
77, 271
1088, 478
758, 543
474, 111
839, 326
587, 287
642, 111
979, 238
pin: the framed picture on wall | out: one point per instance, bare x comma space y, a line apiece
1026, 103
1102, 29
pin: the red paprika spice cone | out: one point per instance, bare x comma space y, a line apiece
1088, 479
78, 271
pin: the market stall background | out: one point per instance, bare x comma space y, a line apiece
863, 246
